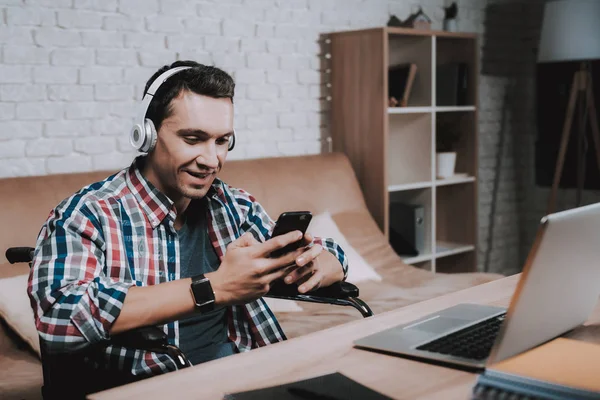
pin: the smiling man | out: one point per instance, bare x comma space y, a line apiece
165, 242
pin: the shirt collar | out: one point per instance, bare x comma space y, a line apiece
156, 205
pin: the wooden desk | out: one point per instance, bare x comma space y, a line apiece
332, 350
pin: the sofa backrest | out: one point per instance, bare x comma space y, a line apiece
315, 183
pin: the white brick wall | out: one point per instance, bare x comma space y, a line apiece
72, 73
73, 68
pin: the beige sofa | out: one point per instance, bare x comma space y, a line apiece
322, 183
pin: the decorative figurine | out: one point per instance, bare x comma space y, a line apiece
418, 20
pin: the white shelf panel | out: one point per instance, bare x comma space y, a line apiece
409, 110
417, 259
445, 249
454, 181
454, 108
427, 109
410, 186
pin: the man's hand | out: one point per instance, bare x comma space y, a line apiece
316, 268
245, 274
246, 270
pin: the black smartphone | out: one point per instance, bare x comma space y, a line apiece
288, 222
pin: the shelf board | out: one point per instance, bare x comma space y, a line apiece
428, 32
409, 110
410, 186
428, 109
454, 108
417, 259
445, 249
454, 181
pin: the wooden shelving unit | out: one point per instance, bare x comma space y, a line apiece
392, 149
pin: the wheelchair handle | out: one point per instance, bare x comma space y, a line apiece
19, 254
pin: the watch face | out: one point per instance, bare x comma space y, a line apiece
204, 296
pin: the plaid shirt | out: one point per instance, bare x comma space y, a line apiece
120, 232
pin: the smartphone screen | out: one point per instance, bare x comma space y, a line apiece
288, 222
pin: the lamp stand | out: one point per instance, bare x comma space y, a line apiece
581, 89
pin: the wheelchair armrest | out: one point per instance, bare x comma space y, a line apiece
339, 290
19, 254
150, 338
340, 294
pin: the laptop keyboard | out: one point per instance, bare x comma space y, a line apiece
482, 392
474, 342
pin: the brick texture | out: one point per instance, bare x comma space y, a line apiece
72, 73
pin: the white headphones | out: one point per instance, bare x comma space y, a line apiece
143, 134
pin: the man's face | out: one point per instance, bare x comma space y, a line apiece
192, 145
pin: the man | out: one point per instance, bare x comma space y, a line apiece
166, 242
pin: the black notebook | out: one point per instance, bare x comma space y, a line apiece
327, 387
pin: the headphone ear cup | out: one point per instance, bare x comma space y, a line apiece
151, 136
231, 142
136, 137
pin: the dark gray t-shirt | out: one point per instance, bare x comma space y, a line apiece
202, 337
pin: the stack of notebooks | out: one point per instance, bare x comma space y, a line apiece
557, 370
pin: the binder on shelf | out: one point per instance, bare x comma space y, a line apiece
452, 84
400, 81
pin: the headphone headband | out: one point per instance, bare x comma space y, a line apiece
143, 132
162, 78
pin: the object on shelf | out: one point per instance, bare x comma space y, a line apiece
446, 162
450, 18
394, 21
418, 20
452, 84
400, 81
407, 228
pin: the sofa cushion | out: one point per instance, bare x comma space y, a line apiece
359, 270
27, 201
21, 370
16, 311
315, 183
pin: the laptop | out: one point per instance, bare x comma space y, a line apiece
557, 291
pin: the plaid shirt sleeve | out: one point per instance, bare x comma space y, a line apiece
74, 302
260, 224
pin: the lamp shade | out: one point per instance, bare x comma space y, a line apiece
570, 31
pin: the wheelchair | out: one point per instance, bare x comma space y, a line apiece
69, 376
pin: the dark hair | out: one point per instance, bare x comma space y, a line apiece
201, 79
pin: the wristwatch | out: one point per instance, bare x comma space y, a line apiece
203, 294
